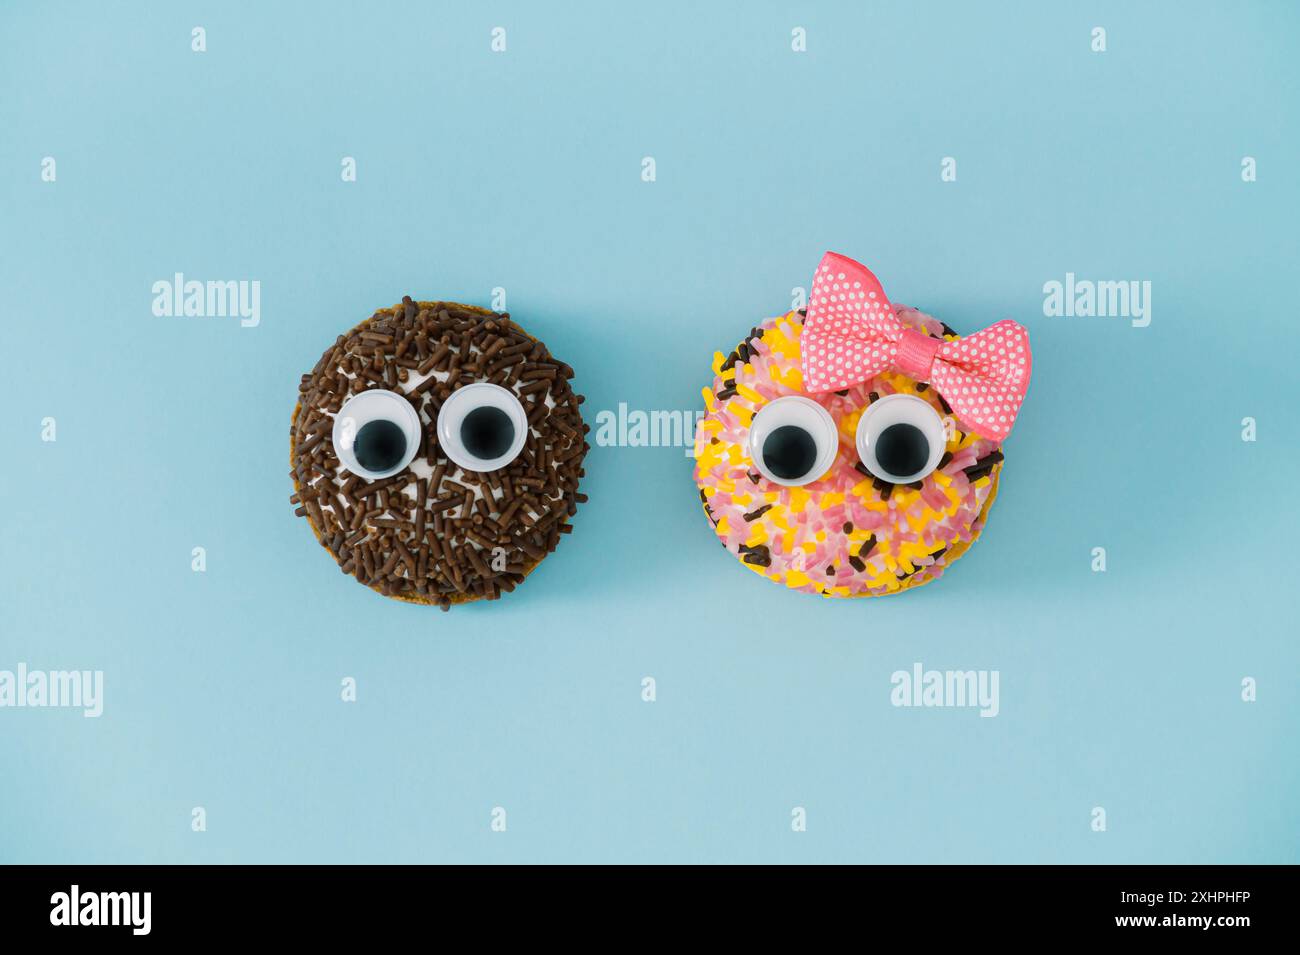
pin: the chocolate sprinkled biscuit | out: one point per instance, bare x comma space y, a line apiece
435, 533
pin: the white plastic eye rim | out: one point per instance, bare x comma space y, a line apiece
808, 414
467, 398
363, 408
900, 409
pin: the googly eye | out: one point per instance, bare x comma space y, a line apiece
900, 438
793, 440
376, 434
482, 426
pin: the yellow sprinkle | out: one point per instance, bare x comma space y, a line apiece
849, 424
710, 399
718, 359
795, 578
749, 393
910, 550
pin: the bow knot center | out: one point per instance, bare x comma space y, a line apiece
916, 352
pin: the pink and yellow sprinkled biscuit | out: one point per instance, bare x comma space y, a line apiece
853, 449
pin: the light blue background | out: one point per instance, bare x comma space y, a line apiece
522, 170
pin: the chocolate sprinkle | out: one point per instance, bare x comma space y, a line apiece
983, 467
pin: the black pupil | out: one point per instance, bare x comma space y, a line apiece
380, 445
902, 449
789, 452
487, 432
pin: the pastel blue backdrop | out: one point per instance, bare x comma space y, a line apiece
522, 170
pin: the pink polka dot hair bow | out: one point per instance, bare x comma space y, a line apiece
851, 334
